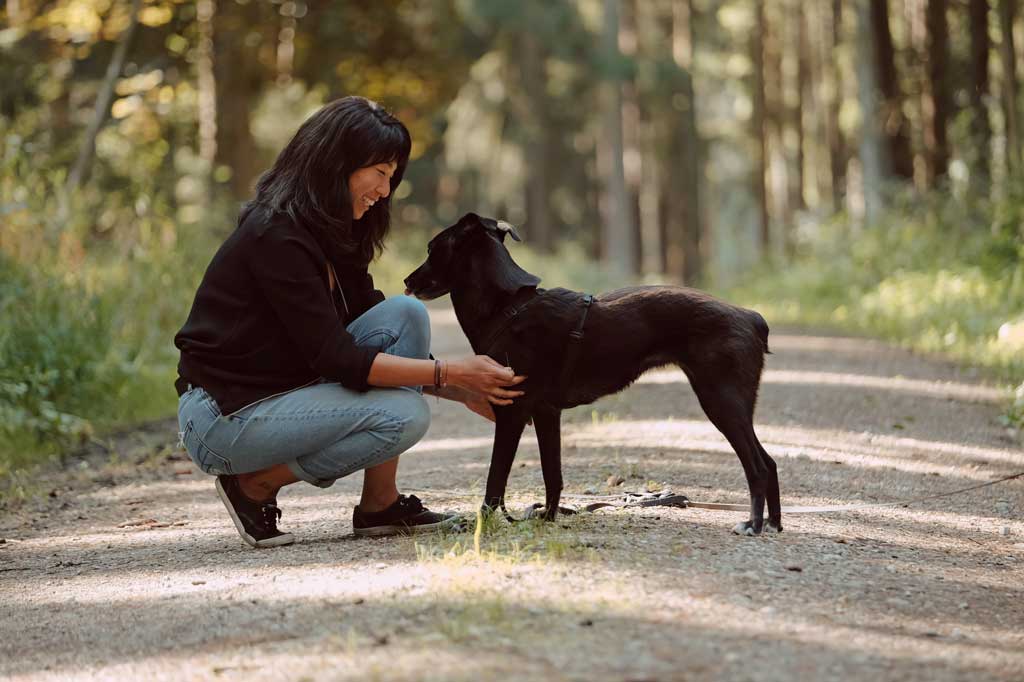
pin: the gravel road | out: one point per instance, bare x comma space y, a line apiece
129, 569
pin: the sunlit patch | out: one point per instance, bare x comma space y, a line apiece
857, 449
934, 389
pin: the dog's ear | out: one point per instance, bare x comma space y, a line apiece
505, 273
507, 228
498, 228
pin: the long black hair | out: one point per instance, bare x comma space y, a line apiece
309, 180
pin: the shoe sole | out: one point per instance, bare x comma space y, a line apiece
377, 531
283, 539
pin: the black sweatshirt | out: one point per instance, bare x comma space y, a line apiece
265, 321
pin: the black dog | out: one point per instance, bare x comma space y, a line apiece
575, 348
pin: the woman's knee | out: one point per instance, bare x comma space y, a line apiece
416, 419
415, 322
412, 311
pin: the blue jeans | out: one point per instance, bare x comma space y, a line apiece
322, 431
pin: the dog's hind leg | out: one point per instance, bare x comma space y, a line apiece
731, 413
773, 499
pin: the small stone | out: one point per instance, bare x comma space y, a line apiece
589, 491
964, 606
1004, 531
380, 566
358, 600
198, 582
931, 634
586, 622
795, 568
614, 480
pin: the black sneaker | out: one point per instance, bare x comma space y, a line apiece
256, 521
405, 516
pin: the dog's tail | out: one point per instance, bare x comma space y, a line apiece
762, 330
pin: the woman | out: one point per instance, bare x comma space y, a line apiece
293, 367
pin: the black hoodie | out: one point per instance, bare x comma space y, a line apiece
265, 321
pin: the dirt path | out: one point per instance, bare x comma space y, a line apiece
131, 570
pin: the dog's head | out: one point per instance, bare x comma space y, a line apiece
469, 253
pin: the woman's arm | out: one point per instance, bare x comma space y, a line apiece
478, 375
455, 393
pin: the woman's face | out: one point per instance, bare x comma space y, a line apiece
368, 185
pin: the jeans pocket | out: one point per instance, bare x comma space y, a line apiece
205, 458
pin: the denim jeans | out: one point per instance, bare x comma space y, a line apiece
322, 431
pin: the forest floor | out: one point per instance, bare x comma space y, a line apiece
128, 568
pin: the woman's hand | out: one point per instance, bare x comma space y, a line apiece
483, 408
480, 405
483, 377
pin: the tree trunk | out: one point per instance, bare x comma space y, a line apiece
689, 155
633, 160
759, 130
834, 134
652, 44
798, 201
538, 143
796, 17
894, 124
941, 95
981, 132
618, 214
776, 121
206, 85
872, 150
239, 78
80, 170
1011, 108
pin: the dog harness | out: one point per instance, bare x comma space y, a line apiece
573, 344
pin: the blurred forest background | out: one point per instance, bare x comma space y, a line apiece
853, 163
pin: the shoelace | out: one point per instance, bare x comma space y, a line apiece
411, 501
271, 514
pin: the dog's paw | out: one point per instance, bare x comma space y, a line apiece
745, 528
751, 529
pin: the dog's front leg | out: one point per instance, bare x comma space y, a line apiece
507, 432
548, 425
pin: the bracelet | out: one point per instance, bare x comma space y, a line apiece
444, 377
437, 374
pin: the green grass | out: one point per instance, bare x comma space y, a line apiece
494, 540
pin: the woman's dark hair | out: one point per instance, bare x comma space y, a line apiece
309, 180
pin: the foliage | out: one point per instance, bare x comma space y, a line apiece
934, 274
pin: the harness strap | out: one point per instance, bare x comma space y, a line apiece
573, 345
508, 314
